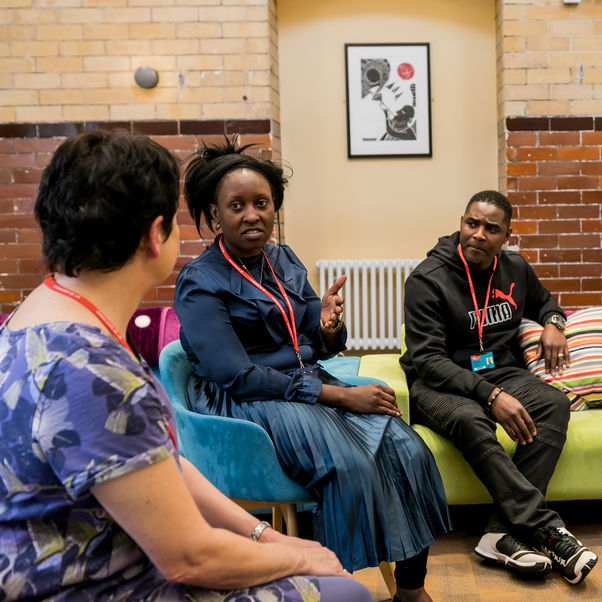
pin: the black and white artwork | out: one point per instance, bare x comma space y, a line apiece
388, 100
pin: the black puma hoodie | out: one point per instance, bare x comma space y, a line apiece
440, 327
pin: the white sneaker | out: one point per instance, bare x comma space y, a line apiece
513, 553
569, 556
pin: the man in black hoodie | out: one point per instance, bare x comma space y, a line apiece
464, 304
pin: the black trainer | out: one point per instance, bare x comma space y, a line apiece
507, 549
569, 556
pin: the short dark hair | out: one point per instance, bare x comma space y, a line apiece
495, 198
210, 164
98, 197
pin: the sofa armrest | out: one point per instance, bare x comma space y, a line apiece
385, 367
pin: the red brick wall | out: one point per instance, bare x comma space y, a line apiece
25, 150
554, 176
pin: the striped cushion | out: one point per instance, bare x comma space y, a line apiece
582, 380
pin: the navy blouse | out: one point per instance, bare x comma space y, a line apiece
235, 335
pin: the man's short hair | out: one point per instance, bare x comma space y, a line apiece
495, 198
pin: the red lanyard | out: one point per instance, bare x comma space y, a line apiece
479, 318
289, 320
51, 283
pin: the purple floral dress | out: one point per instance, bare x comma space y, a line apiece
77, 410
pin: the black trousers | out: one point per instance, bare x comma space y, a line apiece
517, 485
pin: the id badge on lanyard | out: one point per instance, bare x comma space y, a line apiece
481, 361
484, 361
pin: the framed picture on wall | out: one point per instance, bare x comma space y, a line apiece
388, 100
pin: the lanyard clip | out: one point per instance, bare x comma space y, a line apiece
300, 360
481, 345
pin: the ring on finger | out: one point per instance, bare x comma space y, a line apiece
561, 355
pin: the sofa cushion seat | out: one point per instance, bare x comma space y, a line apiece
460, 483
576, 476
385, 367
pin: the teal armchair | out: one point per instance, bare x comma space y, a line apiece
237, 456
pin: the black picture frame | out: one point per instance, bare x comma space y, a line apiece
388, 100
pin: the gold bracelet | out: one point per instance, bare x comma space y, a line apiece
331, 330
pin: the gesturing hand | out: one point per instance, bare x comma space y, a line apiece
332, 303
513, 417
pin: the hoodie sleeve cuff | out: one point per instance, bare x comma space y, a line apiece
483, 390
545, 317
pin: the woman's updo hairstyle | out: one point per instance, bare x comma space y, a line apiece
211, 163
98, 197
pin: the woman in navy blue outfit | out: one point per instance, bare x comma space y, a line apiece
254, 329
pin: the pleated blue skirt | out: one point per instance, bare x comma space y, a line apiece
377, 489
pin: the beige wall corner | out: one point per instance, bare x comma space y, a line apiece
376, 208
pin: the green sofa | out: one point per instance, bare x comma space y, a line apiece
577, 477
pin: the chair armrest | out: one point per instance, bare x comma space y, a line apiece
345, 368
341, 366
237, 456
385, 367
359, 381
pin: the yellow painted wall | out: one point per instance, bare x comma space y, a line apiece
378, 208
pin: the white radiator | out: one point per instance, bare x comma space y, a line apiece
373, 298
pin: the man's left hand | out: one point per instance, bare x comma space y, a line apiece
552, 346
